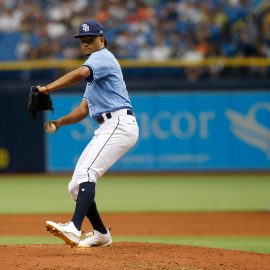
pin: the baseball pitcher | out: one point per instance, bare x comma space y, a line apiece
106, 100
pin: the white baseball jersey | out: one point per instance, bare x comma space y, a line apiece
108, 103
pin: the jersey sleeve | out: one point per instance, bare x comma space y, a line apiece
85, 94
99, 66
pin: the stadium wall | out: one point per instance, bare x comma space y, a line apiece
204, 125
21, 141
179, 131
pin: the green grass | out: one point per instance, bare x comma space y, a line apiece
253, 244
142, 193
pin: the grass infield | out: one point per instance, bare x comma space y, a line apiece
30, 194
142, 193
252, 244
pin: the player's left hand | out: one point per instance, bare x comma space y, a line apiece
43, 89
38, 101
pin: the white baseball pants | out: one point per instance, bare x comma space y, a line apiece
110, 142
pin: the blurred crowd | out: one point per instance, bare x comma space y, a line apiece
139, 29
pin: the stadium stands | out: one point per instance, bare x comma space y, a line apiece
141, 29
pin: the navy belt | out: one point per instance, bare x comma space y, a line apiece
100, 119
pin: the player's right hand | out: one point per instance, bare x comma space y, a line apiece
49, 126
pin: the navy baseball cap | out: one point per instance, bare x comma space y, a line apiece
90, 28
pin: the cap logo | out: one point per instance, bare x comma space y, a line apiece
85, 27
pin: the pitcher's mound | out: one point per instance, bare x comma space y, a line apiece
128, 256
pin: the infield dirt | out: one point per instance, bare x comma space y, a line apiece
131, 256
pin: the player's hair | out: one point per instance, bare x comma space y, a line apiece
106, 43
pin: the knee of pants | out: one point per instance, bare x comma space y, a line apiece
73, 190
87, 175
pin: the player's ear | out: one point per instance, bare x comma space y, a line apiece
103, 41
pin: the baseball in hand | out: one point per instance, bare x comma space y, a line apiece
50, 128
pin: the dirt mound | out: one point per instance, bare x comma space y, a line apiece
128, 256
138, 256
167, 224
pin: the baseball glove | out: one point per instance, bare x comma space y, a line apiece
38, 101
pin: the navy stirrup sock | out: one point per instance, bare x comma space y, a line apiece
85, 198
95, 219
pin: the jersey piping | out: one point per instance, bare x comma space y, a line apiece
102, 149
